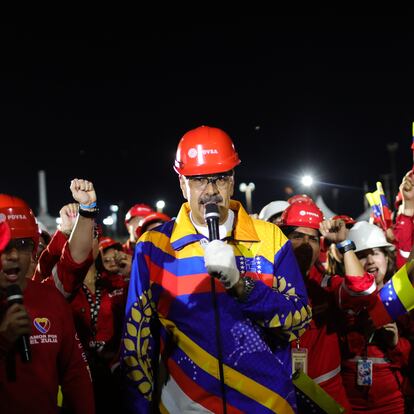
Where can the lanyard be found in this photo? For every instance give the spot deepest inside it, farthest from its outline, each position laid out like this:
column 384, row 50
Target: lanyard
column 94, row 305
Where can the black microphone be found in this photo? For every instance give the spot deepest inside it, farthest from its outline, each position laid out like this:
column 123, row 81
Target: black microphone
column 212, row 217
column 14, row 295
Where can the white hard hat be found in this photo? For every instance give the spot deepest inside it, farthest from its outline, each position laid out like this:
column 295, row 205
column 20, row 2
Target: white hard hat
column 273, row 208
column 367, row 236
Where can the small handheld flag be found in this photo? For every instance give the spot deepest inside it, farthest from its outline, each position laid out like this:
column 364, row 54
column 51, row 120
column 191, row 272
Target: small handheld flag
column 385, row 209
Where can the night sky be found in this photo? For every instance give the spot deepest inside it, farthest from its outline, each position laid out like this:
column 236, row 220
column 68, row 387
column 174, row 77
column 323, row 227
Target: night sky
column 296, row 94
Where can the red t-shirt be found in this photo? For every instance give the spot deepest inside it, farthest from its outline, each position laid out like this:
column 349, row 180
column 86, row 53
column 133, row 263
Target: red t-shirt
column 56, row 358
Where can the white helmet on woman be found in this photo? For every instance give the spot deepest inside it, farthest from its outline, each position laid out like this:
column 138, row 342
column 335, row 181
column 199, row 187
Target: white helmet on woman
column 367, row 236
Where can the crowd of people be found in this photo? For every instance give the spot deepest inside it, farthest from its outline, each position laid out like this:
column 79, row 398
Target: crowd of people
column 212, row 311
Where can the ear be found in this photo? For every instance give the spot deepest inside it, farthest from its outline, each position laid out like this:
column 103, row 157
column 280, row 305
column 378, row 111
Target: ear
column 183, row 186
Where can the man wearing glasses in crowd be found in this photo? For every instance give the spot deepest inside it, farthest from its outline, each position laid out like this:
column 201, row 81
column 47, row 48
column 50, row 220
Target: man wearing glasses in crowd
column 220, row 313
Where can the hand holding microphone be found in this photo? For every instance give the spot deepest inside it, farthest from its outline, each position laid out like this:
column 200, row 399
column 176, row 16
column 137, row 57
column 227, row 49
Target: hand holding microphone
column 218, row 256
column 16, row 324
column 220, row 261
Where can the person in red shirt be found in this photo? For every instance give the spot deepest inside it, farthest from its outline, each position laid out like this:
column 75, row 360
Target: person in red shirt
column 57, row 356
column 97, row 295
column 98, row 308
column 373, row 358
column 303, row 223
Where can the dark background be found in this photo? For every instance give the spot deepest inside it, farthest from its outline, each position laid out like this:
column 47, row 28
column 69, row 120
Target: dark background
column 109, row 101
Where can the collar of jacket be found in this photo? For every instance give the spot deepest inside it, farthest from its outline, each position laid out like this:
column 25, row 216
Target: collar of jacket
column 184, row 232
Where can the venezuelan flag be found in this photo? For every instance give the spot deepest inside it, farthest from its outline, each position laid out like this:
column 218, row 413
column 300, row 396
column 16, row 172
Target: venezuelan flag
column 386, row 211
column 375, row 203
column 396, row 298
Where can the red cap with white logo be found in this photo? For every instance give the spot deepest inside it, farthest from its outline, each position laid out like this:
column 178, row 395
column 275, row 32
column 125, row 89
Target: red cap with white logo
column 302, row 214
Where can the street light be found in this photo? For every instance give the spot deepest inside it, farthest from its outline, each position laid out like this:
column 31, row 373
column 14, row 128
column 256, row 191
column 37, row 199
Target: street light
column 160, row 204
column 307, row 180
column 308, row 183
column 248, row 188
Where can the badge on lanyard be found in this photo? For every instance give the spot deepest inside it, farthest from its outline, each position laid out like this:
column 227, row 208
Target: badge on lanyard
column 299, row 359
column 364, row 372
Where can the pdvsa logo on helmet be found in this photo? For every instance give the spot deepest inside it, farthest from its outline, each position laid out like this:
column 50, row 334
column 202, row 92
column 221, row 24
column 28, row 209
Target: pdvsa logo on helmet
column 193, row 152
column 16, row 217
column 308, row 213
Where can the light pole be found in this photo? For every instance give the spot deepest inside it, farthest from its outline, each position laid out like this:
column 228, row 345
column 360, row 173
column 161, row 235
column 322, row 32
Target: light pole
column 248, row 188
column 114, row 214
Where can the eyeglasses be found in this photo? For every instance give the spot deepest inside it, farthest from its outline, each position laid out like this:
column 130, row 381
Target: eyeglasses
column 21, row 245
column 297, row 235
column 201, row 182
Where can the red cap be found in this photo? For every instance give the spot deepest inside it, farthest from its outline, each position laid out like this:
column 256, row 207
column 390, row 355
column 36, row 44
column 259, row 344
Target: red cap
column 152, row 218
column 141, row 210
column 349, row 221
column 107, row 242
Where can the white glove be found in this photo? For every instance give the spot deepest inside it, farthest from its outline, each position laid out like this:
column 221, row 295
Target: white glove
column 220, row 261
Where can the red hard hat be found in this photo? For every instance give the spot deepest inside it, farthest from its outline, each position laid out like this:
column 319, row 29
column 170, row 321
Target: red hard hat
column 348, row 220
column 20, row 218
column 107, row 242
column 151, row 218
column 140, row 210
column 302, row 214
column 205, row 150
column 300, row 197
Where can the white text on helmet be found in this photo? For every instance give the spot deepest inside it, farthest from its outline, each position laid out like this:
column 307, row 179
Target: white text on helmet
column 309, row 213
column 192, row 152
column 16, row 217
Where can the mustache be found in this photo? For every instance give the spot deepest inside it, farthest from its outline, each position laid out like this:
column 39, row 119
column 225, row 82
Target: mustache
column 216, row 199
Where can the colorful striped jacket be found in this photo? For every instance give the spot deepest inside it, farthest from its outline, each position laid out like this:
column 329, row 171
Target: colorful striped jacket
column 169, row 284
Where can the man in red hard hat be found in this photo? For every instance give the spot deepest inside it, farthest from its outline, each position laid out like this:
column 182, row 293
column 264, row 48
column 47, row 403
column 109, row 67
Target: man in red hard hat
column 303, row 223
column 133, row 219
column 227, row 308
column 53, row 355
